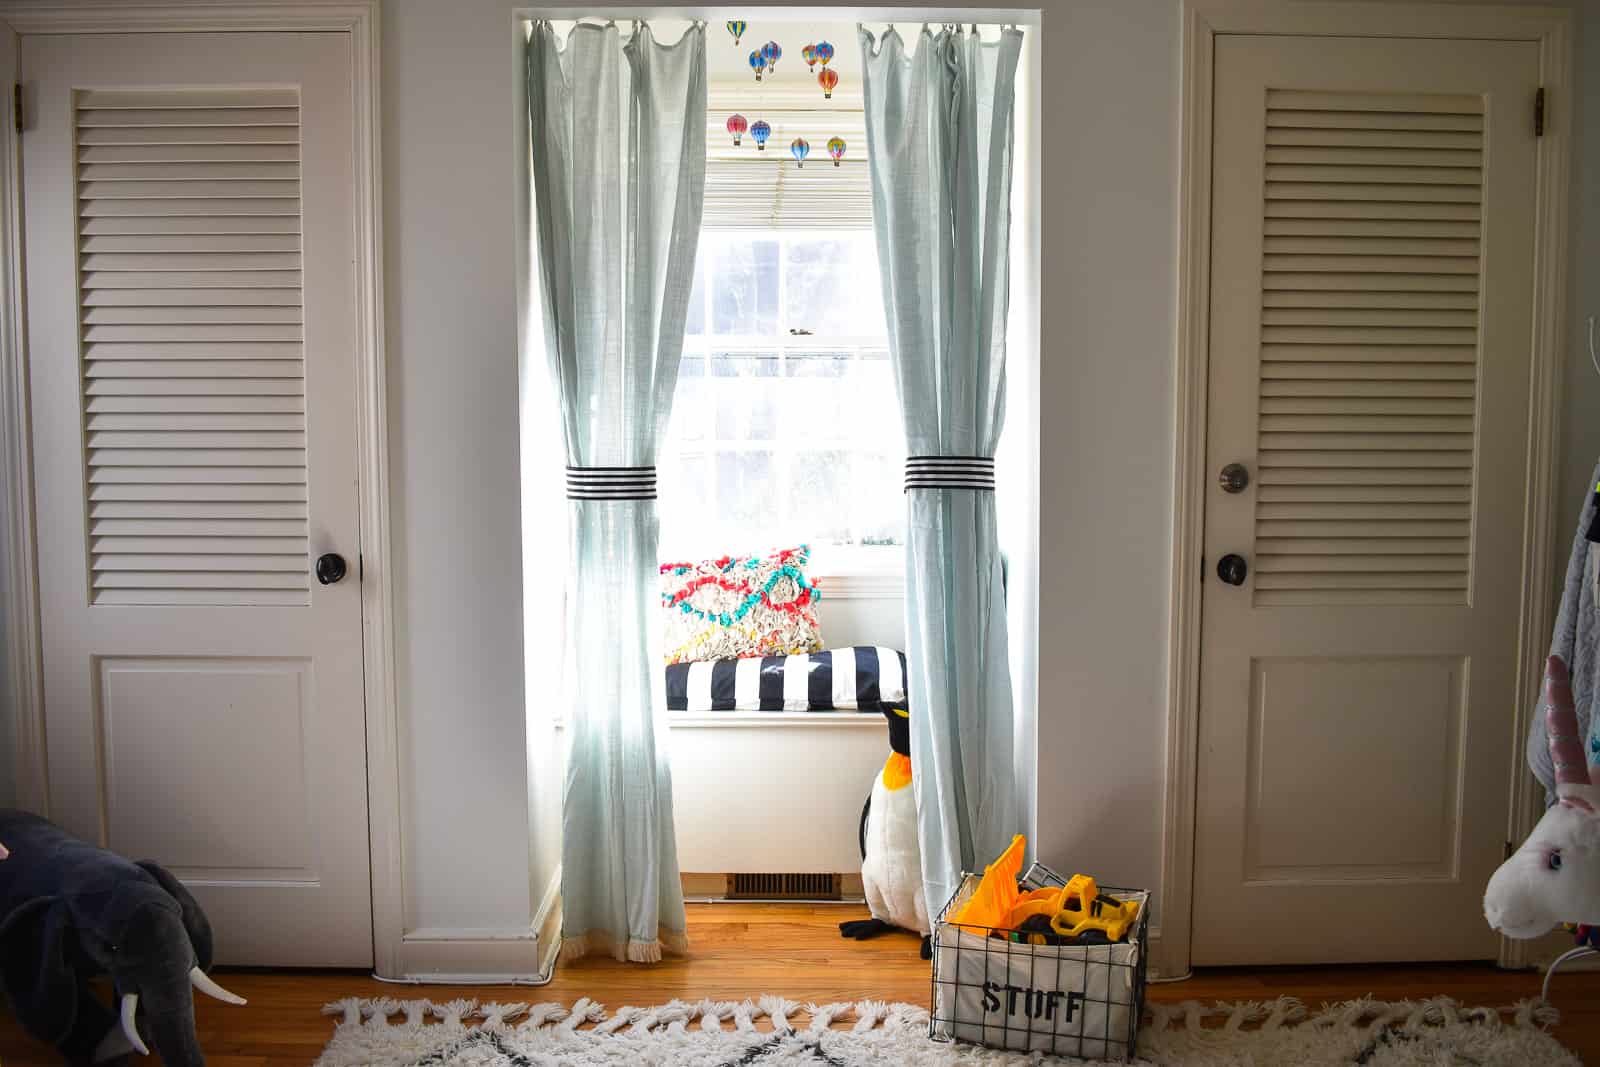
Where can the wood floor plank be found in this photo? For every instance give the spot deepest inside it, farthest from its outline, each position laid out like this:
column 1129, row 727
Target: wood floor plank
column 740, row 950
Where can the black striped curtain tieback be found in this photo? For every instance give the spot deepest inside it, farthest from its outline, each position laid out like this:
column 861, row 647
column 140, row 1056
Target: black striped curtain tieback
column 950, row 472
column 611, row 483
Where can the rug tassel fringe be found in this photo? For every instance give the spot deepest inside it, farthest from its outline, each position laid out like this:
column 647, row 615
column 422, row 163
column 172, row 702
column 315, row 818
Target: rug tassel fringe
column 822, row 1016
column 868, row 1014
column 388, row 1031
column 777, row 1009
column 1365, row 1013
column 712, row 1012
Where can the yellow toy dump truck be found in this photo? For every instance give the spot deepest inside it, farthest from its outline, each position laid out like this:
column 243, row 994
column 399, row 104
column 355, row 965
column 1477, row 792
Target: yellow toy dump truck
column 1050, row 915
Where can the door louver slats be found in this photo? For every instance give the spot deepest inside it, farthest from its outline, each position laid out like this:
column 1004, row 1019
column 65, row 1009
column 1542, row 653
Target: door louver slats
column 1369, row 348
column 190, row 324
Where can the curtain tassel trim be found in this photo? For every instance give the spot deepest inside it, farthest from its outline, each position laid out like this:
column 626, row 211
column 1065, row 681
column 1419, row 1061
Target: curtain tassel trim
column 630, row 950
column 950, row 472
column 611, row 483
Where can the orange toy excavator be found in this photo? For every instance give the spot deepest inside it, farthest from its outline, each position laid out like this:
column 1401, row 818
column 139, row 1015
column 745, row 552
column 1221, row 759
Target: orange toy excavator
column 998, row 906
column 989, row 907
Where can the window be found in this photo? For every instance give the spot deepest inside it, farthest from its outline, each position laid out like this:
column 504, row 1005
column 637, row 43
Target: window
column 785, row 427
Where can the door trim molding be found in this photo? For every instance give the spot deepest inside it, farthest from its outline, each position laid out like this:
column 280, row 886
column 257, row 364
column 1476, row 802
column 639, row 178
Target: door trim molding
column 1203, row 22
column 24, row 666
column 360, row 20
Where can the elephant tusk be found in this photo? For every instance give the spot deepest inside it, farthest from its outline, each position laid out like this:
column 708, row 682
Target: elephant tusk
column 130, row 1004
column 201, row 981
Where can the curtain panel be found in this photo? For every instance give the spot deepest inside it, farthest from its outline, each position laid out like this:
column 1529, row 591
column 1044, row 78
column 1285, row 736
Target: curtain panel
column 617, row 136
column 939, row 139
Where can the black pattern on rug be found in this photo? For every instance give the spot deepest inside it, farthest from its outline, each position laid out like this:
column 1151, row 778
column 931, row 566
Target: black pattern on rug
column 760, row 1052
column 751, row 1057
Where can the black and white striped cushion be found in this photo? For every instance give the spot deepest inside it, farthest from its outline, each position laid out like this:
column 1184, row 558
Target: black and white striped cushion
column 862, row 678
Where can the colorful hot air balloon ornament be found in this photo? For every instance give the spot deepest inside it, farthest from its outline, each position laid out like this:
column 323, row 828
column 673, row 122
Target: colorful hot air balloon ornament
column 760, row 131
column 828, row 78
column 736, row 27
column 736, row 126
column 809, row 54
column 836, row 149
column 799, row 149
column 824, row 52
column 757, row 64
column 771, row 53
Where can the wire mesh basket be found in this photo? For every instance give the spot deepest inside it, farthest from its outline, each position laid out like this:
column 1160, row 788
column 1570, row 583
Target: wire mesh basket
column 1067, row 1000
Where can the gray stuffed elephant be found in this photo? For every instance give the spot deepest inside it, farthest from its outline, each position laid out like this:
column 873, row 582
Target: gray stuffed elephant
column 69, row 912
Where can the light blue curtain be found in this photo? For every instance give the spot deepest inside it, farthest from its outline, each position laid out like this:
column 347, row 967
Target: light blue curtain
column 617, row 135
column 939, row 147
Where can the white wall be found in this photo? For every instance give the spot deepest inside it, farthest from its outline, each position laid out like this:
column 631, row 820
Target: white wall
column 448, row 198
column 1110, row 163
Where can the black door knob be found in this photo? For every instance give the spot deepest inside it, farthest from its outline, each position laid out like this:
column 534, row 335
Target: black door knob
column 1232, row 568
column 330, row 568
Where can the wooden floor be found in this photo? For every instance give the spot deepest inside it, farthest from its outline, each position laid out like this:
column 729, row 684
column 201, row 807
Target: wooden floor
column 740, row 950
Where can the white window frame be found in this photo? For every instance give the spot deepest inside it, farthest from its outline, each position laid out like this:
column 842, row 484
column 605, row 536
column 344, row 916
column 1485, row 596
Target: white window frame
column 852, row 570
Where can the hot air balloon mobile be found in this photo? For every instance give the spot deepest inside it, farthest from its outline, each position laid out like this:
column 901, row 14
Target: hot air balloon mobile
column 736, row 27
column 809, row 54
column 757, row 64
column 824, row 52
column 836, row 149
column 760, row 131
column 828, row 78
column 771, row 53
column 799, row 149
column 736, row 126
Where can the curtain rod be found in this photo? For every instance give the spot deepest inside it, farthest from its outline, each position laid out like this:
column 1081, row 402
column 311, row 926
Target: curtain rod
column 983, row 15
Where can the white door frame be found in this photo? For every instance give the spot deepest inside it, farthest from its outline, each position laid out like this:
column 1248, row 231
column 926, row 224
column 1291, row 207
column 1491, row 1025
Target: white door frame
column 1203, row 21
column 18, row 569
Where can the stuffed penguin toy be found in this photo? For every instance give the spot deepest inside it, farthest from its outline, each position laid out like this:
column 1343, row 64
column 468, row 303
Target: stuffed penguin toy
column 891, row 860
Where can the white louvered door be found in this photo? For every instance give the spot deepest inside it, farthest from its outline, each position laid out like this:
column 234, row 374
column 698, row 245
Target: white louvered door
column 1370, row 351
column 191, row 295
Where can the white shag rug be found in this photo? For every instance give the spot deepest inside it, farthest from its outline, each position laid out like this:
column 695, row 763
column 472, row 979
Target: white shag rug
column 466, row 1033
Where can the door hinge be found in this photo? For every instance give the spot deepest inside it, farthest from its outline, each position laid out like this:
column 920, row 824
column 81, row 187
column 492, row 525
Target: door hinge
column 1538, row 112
column 16, row 106
column 1202, row 568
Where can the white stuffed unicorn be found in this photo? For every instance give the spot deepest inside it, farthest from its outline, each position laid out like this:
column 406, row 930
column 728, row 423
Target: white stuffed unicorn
column 1554, row 877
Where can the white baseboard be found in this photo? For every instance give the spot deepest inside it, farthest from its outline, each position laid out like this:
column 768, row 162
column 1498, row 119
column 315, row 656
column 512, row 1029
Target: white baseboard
column 486, row 956
column 446, row 955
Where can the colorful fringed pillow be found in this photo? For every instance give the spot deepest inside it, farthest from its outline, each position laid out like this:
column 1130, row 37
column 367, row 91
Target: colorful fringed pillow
column 739, row 606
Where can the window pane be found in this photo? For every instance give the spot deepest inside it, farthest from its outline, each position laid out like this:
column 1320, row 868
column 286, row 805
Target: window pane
column 872, row 400
column 832, row 288
column 817, row 398
column 819, row 499
column 746, row 394
column 745, row 286
column 878, row 514
column 692, row 402
column 685, row 491
column 745, row 513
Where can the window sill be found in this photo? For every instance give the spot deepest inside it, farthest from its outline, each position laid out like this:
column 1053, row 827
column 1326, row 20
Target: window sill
column 856, row 572
column 880, row 585
column 704, row 720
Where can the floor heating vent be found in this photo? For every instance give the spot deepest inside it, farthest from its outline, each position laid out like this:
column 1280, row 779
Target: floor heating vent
column 765, row 886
